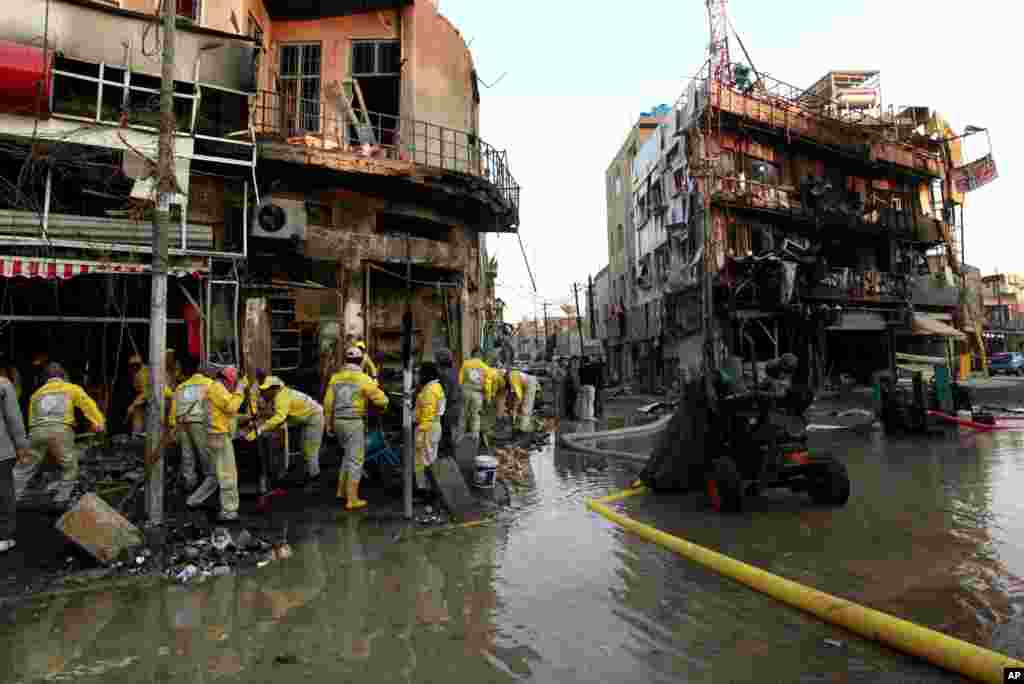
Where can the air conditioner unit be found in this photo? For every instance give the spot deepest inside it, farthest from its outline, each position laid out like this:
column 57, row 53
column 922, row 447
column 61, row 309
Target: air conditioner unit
column 280, row 219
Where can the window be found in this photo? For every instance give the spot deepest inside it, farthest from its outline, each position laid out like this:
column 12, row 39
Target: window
column 376, row 58
column 618, row 185
column 760, row 171
column 189, row 9
column 620, row 238
column 300, row 86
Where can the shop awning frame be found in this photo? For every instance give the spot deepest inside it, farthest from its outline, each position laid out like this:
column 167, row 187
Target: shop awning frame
column 65, row 269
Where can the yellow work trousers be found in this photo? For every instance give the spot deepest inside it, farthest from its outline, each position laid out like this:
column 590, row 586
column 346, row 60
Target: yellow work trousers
column 192, row 438
column 351, row 434
column 222, row 456
column 524, row 408
column 427, row 442
column 474, row 405
column 312, row 438
column 56, row 439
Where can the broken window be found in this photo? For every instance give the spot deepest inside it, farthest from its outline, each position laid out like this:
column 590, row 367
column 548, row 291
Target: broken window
column 300, row 86
column 376, row 58
column 222, row 112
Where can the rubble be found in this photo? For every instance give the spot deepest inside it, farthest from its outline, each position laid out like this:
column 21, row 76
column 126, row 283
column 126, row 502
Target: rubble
column 513, row 464
column 97, row 528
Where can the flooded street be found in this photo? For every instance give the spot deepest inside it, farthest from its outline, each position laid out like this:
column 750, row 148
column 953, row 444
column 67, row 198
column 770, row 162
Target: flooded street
column 550, row 592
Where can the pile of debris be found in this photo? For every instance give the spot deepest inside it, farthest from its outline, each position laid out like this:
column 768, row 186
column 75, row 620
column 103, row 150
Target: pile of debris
column 513, row 464
column 217, row 554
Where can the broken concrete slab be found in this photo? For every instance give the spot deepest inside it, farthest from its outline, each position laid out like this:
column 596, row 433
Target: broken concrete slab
column 100, row 530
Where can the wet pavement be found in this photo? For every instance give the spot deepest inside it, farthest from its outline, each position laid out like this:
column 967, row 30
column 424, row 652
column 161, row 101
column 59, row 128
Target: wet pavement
column 550, row 592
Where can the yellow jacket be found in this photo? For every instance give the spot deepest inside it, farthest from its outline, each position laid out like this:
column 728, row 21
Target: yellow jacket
column 369, row 367
column 290, row 403
column 224, row 406
column 515, row 378
column 195, row 408
column 430, row 405
column 477, row 376
column 348, row 391
column 55, row 402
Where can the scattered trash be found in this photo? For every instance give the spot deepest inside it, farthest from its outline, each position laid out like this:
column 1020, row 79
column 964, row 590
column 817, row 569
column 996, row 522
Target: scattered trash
column 139, row 560
column 187, row 574
column 191, row 552
column 834, row 643
column 263, row 564
column 220, row 539
column 163, row 651
column 244, row 540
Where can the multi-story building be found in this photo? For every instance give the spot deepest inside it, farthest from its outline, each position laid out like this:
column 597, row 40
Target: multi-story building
column 814, row 212
column 1003, row 299
column 600, row 307
column 622, row 245
column 328, row 161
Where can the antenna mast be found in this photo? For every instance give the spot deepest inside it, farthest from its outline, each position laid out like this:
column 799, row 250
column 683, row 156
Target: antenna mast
column 718, row 18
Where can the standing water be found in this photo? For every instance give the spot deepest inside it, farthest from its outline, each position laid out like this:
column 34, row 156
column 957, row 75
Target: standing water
column 553, row 593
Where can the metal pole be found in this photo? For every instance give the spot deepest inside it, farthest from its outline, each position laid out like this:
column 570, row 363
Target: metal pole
column 591, row 308
column 579, row 319
column 546, row 333
column 166, row 189
column 408, row 453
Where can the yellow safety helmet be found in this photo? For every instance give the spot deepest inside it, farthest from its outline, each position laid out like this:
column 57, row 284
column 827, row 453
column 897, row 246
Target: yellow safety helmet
column 271, row 382
column 361, row 345
column 354, row 354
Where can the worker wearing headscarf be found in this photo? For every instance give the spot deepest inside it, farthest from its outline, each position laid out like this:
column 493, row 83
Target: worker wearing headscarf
column 189, row 418
column 430, row 407
column 223, row 406
column 367, row 365
column 136, row 413
column 51, row 424
column 295, row 408
column 477, row 380
column 348, row 392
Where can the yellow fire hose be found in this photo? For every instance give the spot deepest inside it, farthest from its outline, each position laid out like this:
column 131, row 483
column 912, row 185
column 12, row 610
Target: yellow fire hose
column 952, row 654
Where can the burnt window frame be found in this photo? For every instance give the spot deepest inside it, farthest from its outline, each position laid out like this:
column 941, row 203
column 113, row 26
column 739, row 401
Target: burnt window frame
column 378, row 58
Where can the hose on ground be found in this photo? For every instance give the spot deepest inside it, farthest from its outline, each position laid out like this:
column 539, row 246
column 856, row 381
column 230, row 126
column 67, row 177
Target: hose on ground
column 947, row 652
column 575, row 440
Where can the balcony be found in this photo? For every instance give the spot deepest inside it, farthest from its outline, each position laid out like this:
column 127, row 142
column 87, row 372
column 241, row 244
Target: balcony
column 382, row 144
column 846, row 284
column 836, row 211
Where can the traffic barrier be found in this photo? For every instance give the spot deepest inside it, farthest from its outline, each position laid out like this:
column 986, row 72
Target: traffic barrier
column 947, row 652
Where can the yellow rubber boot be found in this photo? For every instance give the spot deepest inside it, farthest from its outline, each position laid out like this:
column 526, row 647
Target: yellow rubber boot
column 354, row 502
column 342, row 482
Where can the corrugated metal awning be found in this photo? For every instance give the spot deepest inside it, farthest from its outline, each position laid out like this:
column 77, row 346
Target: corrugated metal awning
column 64, row 269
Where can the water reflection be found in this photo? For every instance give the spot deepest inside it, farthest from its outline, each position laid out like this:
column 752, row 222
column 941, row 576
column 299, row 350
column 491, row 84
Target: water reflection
column 556, row 594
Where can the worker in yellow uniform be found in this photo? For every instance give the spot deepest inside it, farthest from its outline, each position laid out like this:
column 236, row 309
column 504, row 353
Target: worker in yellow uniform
column 295, row 408
column 367, row 365
column 223, row 406
column 522, row 393
column 51, row 420
column 348, row 392
column 430, row 406
column 477, row 380
column 189, row 419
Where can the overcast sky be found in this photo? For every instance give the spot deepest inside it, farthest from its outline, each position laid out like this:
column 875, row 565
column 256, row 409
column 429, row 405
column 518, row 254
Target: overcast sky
column 578, row 77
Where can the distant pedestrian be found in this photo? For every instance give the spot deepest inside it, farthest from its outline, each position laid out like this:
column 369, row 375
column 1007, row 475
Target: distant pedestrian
column 588, row 389
column 14, row 446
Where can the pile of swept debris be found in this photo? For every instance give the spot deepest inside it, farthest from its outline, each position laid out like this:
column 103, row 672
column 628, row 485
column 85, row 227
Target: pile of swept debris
column 513, row 464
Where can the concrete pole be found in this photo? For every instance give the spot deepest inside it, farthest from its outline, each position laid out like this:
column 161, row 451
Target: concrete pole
column 408, row 452
column 166, row 188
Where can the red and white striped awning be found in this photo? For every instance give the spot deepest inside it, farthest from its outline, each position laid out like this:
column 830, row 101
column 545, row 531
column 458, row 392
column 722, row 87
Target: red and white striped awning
column 63, row 269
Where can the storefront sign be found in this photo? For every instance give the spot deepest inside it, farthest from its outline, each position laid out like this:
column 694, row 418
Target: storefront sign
column 975, row 175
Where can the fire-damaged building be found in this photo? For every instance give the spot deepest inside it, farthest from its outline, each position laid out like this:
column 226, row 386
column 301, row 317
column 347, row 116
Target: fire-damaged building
column 329, row 165
column 827, row 225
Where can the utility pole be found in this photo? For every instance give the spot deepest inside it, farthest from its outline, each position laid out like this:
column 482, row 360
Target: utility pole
column 547, row 335
column 166, row 188
column 408, row 453
column 591, row 308
column 579, row 319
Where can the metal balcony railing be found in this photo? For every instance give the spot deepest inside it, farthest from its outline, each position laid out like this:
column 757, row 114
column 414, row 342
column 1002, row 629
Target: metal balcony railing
column 319, row 124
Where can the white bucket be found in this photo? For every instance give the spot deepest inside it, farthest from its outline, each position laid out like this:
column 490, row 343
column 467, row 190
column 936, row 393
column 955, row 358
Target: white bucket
column 486, row 470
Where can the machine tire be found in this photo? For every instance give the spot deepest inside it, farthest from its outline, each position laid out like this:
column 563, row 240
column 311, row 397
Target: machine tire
column 829, row 483
column 724, row 486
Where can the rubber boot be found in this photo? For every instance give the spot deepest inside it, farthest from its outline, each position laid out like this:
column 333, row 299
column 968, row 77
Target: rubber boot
column 342, row 484
column 354, row 502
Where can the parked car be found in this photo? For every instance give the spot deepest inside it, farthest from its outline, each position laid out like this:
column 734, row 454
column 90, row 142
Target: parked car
column 1007, row 363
